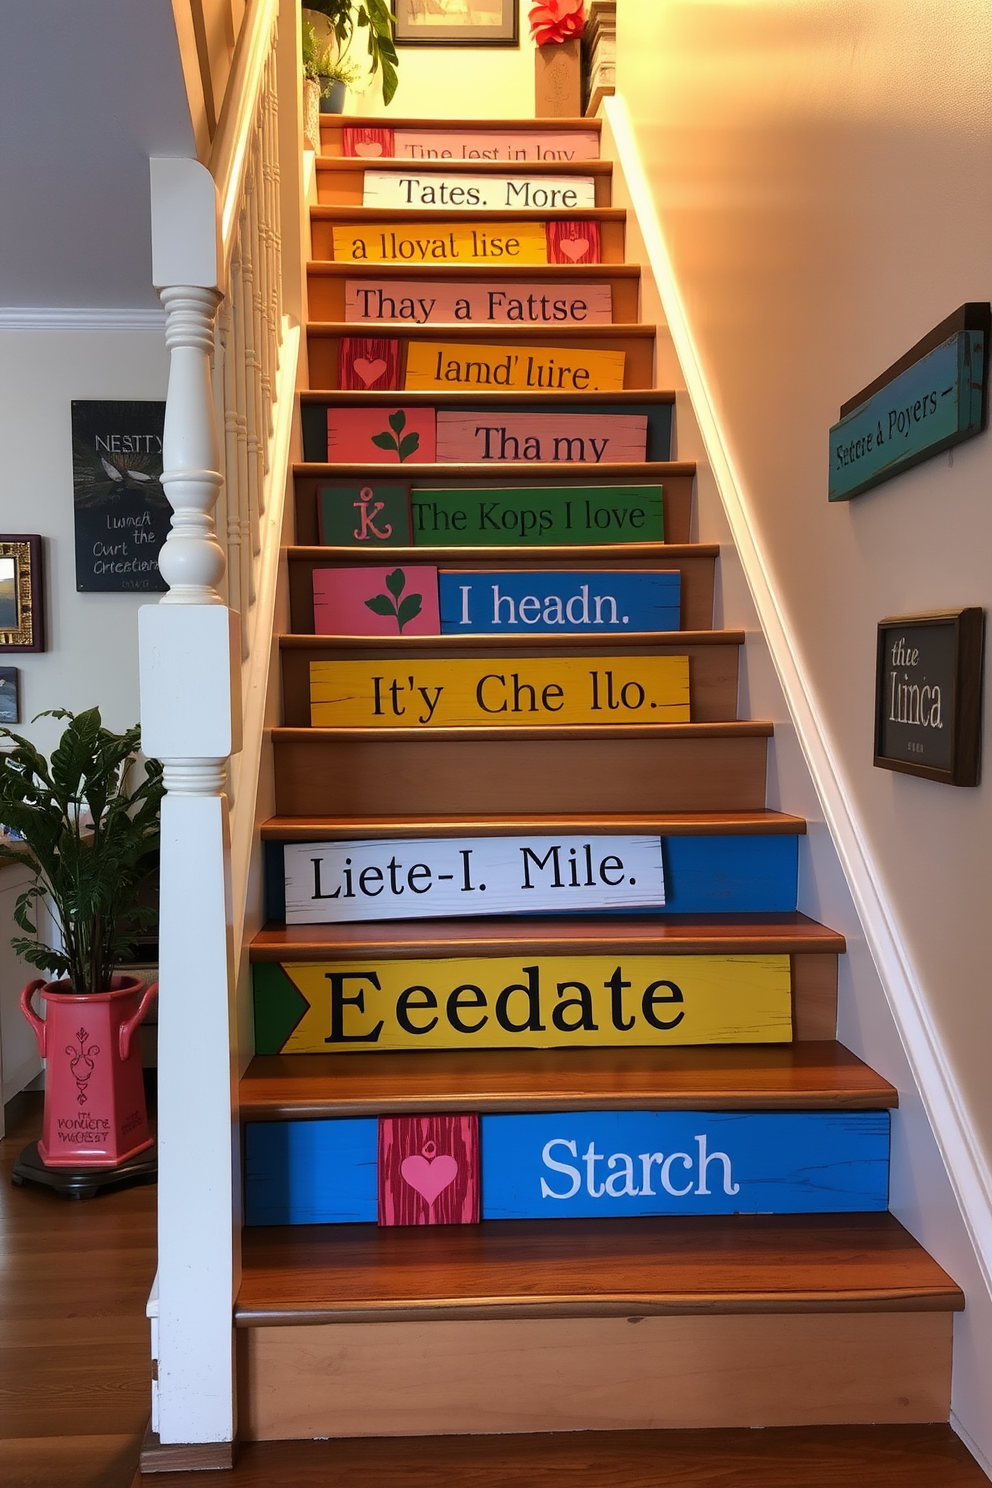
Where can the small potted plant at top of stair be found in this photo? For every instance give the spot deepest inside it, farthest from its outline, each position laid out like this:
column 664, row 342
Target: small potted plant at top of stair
column 345, row 19
column 91, row 841
column 557, row 27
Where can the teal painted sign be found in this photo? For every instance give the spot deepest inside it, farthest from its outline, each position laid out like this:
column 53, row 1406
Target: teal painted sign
column 932, row 398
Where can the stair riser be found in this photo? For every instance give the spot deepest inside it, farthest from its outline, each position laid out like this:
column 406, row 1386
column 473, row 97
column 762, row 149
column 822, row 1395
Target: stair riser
column 327, row 776
column 346, row 188
column 611, row 229
column 326, row 290
column 417, row 1379
column 712, row 672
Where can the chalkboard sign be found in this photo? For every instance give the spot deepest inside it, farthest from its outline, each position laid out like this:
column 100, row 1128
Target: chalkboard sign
column 122, row 515
column 928, row 695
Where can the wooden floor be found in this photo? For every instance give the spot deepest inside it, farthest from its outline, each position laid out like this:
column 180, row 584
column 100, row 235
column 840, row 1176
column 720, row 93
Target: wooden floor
column 74, row 1389
column 74, row 1360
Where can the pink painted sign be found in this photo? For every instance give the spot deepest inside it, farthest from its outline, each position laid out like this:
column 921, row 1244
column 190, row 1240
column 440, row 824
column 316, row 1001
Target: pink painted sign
column 505, row 301
column 400, row 600
column 551, row 437
column 572, row 242
column 496, row 144
column 381, row 436
column 429, row 1171
column 368, row 362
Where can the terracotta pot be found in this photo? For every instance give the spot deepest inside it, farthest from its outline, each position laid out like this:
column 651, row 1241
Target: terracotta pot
column 94, row 1095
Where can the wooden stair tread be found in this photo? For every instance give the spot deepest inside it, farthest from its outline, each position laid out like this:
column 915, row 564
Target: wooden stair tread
column 499, row 397
column 745, row 729
column 573, row 273
column 332, row 164
column 738, row 1457
column 463, row 331
column 677, row 823
column 658, row 553
column 588, row 1268
column 401, row 216
column 633, row 935
column 587, row 645
column 331, row 122
column 801, row 1076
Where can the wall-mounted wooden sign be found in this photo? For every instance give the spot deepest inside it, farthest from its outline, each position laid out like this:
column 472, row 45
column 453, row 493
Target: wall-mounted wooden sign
column 571, row 1165
column 746, row 874
column 447, row 365
column 928, row 695
column 400, row 189
column 373, row 142
column 376, row 601
column 548, row 603
column 418, row 436
column 122, row 515
column 429, row 1170
column 933, row 397
column 464, row 302
column 365, row 516
column 537, row 516
column 501, row 1002
column 436, row 243
column 503, row 691
column 332, row 883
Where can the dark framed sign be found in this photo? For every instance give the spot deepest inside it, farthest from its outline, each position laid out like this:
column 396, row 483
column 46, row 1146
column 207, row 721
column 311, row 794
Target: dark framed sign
column 930, row 399
column 928, row 695
column 122, row 514
column 456, row 22
column 10, row 708
column 22, row 599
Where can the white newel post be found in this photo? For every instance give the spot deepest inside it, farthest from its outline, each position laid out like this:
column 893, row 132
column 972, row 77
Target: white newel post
column 190, row 717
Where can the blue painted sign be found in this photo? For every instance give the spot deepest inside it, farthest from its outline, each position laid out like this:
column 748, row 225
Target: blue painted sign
column 578, row 1164
column 932, row 398
column 556, row 603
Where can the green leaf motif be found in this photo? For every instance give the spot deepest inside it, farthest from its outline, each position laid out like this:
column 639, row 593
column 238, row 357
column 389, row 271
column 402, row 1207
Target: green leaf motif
column 385, row 441
column 409, row 609
column 380, row 604
column 396, row 582
column 407, row 445
column 397, row 421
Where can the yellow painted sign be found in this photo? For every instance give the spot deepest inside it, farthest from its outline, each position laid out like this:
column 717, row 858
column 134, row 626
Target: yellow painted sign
column 474, row 692
column 438, row 364
column 497, row 243
column 530, row 1002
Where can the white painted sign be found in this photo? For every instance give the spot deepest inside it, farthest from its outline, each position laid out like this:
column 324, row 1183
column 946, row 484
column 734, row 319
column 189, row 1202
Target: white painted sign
column 335, row 882
column 395, row 189
column 464, row 302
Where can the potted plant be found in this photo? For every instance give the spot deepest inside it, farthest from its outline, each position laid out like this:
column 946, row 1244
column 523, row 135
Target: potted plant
column 328, row 74
column 90, row 838
column 346, row 18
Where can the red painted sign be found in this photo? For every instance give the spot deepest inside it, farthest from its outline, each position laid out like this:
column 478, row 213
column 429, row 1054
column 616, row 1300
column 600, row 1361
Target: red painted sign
column 429, row 1170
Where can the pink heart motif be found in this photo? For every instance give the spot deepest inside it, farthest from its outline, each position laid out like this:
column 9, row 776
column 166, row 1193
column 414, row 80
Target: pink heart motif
column 372, row 148
column 368, row 371
column 574, row 248
column 429, row 1178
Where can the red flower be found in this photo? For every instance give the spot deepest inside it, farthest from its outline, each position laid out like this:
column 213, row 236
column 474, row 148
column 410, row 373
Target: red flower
column 556, row 20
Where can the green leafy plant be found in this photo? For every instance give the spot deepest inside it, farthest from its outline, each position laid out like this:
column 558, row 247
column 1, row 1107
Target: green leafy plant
column 348, row 17
column 404, row 610
column 322, row 66
column 404, row 444
column 90, row 841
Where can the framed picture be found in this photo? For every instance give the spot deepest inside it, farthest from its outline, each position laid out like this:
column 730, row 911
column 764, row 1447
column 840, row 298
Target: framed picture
column 928, row 695
column 456, row 22
column 22, row 601
column 10, row 711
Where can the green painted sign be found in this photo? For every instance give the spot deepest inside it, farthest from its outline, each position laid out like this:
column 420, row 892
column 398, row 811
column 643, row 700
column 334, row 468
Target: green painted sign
column 373, row 515
column 541, row 516
column 932, row 398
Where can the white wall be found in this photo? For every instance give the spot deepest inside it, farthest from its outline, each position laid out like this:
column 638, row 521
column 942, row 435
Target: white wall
column 92, row 638
column 458, row 83
column 820, row 171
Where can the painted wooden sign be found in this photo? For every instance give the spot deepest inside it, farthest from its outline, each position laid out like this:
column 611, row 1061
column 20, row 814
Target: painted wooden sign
column 508, row 691
column 928, row 695
column 373, row 142
column 383, row 435
column 542, row 1002
column 464, row 302
column 376, row 601
column 331, row 883
column 369, row 362
column 588, row 1164
column 558, row 602
column 441, row 243
column 933, row 397
column 746, row 874
column 365, row 516
column 554, row 437
column 121, row 513
column 429, row 1170
column 537, row 516
column 447, row 365
column 400, row 189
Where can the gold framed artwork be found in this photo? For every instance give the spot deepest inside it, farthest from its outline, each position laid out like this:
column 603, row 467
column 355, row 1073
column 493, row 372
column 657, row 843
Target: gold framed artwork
column 22, row 608
column 456, row 23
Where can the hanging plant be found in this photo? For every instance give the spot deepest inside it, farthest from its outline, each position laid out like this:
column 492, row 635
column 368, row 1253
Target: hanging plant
column 555, row 21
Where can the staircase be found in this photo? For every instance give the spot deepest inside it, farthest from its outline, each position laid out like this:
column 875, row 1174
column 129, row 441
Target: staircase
column 665, row 1073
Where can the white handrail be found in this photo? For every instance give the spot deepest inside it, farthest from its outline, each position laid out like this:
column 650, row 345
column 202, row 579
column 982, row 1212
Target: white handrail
column 235, row 128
